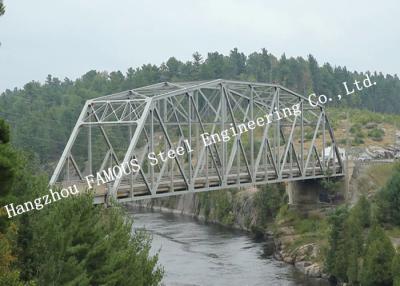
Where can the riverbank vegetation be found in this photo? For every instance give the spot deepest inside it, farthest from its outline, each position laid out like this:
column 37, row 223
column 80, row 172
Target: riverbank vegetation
column 350, row 244
column 70, row 242
column 356, row 245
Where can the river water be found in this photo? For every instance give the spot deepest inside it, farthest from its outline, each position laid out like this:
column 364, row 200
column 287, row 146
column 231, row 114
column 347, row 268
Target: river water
column 194, row 253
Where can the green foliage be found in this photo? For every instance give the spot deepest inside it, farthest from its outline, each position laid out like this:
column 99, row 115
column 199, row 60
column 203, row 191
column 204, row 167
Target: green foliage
column 76, row 243
column 8, row 168
column 332, row 185
column 2, row 9
column 268, row 201
column 362, row 212
column 388, row 200
column 70, row 242
column 345, row 255
column 396, row 270
column 8, row 275
column 376, row 134
column 308, row 136
column 223, row 207
column 355, row 128
column 310, row 225
column 4, row 132
column 353, row 243
column 357, row 141
column 218, row 206
column 377, row 266
column 356, row 131
column 10, row 164
column 336, row 259
column 43, row 115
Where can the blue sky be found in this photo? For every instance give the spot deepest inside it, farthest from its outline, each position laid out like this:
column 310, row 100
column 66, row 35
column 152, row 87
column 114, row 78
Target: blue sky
column 69, row 38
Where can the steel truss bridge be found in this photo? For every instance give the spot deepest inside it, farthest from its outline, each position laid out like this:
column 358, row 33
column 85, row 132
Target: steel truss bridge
column 114, row 129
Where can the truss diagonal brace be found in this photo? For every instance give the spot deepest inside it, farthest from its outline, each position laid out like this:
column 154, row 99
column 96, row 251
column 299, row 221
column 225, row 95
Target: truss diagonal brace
column 68, row 147
column 132, row 144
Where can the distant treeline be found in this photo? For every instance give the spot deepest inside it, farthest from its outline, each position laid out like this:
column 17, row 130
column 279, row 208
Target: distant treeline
column 42, row 115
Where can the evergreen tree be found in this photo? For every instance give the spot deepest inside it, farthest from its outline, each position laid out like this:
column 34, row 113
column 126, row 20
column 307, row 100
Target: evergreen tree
column 389, row 200
column 315, row 75
column 9, row 163
column 354, row 246
column 362, row 210
column 76, row 243
column 377, row 266
column 396, row 270
column 336, row 258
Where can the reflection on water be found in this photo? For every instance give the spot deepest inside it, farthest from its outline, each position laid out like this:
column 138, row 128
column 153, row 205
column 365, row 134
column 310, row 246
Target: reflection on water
column 194, row 253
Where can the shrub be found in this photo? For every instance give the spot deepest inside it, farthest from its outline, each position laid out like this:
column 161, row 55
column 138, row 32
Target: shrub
column 355, row 128
column 376, row 134
column 268, row 200
column 357, row 141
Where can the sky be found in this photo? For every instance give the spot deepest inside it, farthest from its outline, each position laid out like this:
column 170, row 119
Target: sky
column 67, row 38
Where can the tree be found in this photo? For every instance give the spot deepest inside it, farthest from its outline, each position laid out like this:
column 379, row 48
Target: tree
column 362, row 210
column 336, row 258
column 377, row 266
column 354, row 246
column 315, row 74
column 9, row 163
column 237, row 63
column 388, row 200
column 268, row 201
column 396, row 270
column 2, row 8
column 76, row 243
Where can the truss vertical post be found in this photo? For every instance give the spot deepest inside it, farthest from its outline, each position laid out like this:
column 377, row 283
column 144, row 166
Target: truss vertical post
column 90, row 147
column 252, row 136
column 189, row 154
column 302, row 136
column 278, row 136
column 129, row 140
column 152, row 148
column 223, row 144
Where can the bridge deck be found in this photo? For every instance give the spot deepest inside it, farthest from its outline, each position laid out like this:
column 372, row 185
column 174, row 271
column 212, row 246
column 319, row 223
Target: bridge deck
column 175, row 184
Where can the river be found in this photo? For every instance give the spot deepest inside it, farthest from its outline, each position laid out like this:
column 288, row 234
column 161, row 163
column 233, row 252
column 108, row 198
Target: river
column 194, row 253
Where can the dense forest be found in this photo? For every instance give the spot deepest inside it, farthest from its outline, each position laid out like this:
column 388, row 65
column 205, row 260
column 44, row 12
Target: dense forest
column 43, row 115
column 71, row 242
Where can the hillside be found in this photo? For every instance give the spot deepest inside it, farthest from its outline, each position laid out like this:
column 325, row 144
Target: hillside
column 43, row 115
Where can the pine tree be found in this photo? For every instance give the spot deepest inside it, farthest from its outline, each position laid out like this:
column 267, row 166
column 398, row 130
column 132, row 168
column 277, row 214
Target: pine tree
column 76, row 243
column 2, row 8
column 377, row 266
column 336, row 259
column 363, row 212
column 389, row 200
column 354, row 246
column 396, row 270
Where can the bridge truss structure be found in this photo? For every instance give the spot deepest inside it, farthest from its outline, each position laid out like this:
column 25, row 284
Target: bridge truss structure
column 114, row 129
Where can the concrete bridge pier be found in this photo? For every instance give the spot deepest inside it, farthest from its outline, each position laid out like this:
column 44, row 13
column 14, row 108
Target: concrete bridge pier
column 303, row 195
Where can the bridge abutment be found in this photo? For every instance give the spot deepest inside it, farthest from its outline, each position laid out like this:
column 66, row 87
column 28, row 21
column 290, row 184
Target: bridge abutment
column 303, row 195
